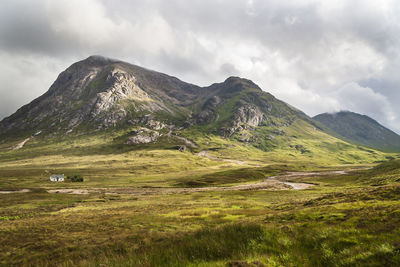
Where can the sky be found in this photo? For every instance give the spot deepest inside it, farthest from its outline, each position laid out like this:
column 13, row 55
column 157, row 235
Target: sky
column 318, row 56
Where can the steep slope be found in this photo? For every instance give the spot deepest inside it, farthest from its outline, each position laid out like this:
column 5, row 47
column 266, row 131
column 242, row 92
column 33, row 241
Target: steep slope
column 360, row 129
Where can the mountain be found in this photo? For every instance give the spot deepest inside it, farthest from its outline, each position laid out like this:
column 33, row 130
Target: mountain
column 360, row 129
column 101, row 93
column 123, row 107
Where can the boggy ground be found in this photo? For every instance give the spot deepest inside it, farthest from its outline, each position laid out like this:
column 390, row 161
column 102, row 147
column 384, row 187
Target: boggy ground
column 343, row 220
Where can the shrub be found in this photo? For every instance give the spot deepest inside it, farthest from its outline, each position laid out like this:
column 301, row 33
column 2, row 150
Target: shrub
column 75, row 178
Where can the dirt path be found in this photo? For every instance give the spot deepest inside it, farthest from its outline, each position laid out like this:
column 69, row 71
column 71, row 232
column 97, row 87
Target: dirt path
column 278, row 182
column 288, row 178
column 298, row 186
column 16, row 191
column 69, row 191
column 21, row 144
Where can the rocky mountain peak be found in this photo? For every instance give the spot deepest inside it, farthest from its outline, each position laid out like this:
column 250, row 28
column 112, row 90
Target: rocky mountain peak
column 243, row 83
column 98, row 60
column 100, row 93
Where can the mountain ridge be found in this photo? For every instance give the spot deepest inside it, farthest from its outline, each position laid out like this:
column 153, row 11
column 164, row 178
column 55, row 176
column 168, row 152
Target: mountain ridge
column 107, row 91
column 360, row 129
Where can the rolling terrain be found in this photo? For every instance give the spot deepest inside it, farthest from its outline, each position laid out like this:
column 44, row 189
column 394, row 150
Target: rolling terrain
column 181, row 175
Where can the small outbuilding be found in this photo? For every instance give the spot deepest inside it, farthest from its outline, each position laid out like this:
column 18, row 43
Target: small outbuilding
column 57, row 178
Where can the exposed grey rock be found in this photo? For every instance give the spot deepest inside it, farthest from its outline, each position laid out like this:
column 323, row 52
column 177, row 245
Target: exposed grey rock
column 246, row 117
column 155, row 125
column 37, row 133
column 182, row 148
column 208, row 112
column 142, row 136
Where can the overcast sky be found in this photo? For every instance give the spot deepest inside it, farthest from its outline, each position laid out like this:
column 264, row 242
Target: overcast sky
column 319, row 56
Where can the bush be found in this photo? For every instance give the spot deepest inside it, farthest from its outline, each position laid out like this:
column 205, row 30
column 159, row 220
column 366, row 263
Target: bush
column 75, row 178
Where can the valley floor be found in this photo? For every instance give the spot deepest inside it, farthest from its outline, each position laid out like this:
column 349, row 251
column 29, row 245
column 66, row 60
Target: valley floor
column 234, row 205
column 346, row 219
column 278, row 182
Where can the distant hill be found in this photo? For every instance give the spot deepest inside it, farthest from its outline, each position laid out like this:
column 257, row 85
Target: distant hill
column 360, row 129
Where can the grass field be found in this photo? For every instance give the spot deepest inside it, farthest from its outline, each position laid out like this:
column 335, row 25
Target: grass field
column 343, row 220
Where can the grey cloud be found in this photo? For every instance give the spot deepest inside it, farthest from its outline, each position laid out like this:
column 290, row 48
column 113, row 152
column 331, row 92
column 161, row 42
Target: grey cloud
column 228, row 69
column 364, row 100
column 315, row 55
column 26, row 28
column 23, row 78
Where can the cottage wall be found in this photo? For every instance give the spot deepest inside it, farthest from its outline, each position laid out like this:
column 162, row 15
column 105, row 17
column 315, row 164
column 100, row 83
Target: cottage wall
column 57, row 178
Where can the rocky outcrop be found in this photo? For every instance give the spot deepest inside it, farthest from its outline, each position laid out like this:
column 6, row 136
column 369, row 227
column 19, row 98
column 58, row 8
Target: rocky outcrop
column 142, row 136
column 245, row 118
column 208, row 111
column 150, row 121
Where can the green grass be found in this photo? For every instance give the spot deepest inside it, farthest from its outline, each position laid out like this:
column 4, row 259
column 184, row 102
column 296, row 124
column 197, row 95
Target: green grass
column 348, row 220
column 339, row 222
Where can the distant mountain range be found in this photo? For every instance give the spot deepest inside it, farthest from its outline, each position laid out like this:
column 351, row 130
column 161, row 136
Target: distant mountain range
column 102, row 94
column 360, row 129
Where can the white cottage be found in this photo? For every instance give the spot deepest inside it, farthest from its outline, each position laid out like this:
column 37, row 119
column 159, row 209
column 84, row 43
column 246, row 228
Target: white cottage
column 57, row 178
